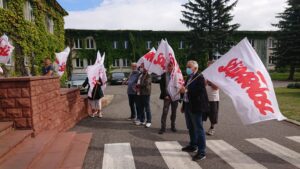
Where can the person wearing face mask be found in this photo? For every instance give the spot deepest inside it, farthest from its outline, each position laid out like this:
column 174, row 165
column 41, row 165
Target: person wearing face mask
column 195, row 106
column 143, row 89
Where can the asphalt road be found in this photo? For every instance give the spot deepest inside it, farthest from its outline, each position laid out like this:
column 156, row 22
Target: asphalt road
column 114, row 128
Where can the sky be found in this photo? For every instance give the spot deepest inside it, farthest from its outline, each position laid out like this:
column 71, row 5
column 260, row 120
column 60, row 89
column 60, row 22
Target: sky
column 160, row 14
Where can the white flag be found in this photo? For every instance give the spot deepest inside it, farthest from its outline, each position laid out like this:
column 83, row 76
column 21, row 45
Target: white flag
column 61, row 60
column 159, row 62
column 102, row 71
column 93, row 75
column 1, row 70
column 241, row 75
column 6, row 49
column 98, row 59
column 146, row 59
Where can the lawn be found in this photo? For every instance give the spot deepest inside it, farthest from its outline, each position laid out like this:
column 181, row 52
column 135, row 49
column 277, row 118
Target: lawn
column 284, row 76
column 289, row 102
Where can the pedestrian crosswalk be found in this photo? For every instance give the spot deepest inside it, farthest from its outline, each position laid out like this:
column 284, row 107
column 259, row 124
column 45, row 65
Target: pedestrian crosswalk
column 120, row 156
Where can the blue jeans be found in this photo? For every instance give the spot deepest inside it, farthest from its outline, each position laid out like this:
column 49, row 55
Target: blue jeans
column 194, row 124
column 132, row 104
column 144, row 107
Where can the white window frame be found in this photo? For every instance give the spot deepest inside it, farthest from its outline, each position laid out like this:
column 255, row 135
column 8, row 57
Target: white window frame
column 1, row 4
column 49, row 24
column 116, row 63
column 271, row 43
column 115, row 44
column 89, row 41
column 80, row 63
column 89, row 62
column 148, row 44
column 28, row 11
column 181, row 43
column 125, row 62
column 77, row 44
column 126, row 44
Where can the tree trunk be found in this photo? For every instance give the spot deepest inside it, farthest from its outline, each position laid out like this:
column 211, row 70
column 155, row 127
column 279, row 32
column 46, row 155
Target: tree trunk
column 292, row 72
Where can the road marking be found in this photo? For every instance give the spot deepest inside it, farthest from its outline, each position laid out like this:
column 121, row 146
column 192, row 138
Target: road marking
column 294, row 138
column 232, row 156
column 174, row 157
column 277, row 150
column 118, row 156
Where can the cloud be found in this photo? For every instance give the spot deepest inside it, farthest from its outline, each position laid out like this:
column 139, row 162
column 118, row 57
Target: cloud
column 165, row 15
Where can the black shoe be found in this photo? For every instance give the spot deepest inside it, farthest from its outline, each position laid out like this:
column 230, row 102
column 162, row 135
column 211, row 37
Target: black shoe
column 189, row 148
column 161, row 131
column 199, row 157
column 174, row 129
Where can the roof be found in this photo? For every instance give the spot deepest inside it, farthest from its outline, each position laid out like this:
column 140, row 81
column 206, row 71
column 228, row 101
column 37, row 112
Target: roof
column 58, row 7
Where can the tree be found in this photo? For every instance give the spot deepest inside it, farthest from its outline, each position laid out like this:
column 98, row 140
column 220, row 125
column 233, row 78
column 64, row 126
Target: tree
column 209, row 21
column 287, row 51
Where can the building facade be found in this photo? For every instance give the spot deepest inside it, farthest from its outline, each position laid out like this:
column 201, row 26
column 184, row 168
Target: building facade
column 125, row 46
column 36, row 30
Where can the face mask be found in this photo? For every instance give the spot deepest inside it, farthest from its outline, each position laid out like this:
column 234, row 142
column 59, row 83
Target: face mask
column 142, row 69
column 189, row 71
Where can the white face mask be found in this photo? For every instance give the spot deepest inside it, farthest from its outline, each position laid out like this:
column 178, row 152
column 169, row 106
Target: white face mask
column 142, row 69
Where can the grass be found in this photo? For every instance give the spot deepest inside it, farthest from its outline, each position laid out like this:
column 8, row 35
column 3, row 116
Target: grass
column 284, row 76
column 289, row 102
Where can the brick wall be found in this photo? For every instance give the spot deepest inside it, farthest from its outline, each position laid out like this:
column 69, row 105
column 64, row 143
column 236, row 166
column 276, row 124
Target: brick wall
column 40, row 104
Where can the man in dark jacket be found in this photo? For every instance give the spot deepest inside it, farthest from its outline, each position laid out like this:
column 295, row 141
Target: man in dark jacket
column 143, row 89
column 195, row 106
column 164, row 82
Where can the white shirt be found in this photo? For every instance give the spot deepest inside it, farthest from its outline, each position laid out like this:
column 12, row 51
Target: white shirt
column 213, row 95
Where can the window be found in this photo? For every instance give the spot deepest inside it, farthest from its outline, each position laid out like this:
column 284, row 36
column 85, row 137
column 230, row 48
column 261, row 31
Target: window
column 125, row 62
column 90, row 62
column 115, row 45
column 90, row 43
column 181, row 45
column 26, row 60
column 272, row 43
column 78, row 44
column 49, row 24
column 251, row 42
column 79, row 63
column 126, row 44
column 28, row 11
column 148, row 44
column 116, row 63
column 3, row 4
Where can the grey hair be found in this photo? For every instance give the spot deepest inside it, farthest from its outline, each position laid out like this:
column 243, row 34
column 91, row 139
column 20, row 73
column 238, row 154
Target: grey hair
column 194, row 63
column 133, row 63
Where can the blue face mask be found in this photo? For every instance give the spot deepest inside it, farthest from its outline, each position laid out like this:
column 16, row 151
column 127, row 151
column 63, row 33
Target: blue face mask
column 189, row 71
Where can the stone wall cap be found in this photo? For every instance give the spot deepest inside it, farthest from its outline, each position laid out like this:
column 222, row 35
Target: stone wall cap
column 26, row 78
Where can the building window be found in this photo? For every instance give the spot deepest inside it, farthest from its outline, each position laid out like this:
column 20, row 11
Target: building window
column 3, row 4
column 116, row 63
column 90, row 43
column 79, row 63
column 126, row 44
column 272, row 43
column 251, row 42
column 78, row 44
column 28, row 11
column 89, row 61
column 125, row 62
column 115, row 45
column 148, row 45
column 49, row 24
column 181, row 45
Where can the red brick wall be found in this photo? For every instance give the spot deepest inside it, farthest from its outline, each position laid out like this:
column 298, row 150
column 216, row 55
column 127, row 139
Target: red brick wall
column 38, row 103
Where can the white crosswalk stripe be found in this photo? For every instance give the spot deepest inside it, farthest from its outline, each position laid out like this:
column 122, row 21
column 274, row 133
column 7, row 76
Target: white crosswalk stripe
column 294, row 138
column 174, row 157
column 277, row 150
column 232, row 156
column 118, row 156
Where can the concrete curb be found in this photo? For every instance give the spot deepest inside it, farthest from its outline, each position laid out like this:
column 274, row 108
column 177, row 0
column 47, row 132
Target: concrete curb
column 293, row 121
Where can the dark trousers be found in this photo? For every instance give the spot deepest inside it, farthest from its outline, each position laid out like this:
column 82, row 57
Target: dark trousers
column 144, row 107
column 132, row 104
column 167, row 104
column 194, row 124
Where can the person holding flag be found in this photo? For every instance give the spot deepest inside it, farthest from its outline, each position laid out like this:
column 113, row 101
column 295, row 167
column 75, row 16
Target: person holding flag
column 165, row 96
column 195, row 106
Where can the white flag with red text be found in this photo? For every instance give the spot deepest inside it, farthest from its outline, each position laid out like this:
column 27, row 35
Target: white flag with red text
column 102, row 71
column 159, row 61
column 93, row 75
column 6, row 49
column 61, row 60
column 146, row 59
column 241, row 75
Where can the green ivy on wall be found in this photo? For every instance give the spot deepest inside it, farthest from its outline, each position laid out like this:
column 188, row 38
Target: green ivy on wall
column 31, row 38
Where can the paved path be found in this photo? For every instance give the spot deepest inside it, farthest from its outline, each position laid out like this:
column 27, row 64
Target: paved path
column 118, row 144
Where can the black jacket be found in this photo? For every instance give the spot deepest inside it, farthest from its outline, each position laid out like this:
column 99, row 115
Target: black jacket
column 97, row 92
column 162, row 84
column 197, row 95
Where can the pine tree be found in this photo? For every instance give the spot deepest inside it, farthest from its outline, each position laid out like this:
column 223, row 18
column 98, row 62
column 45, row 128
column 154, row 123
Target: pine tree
column 287, row 51
column 209, row 21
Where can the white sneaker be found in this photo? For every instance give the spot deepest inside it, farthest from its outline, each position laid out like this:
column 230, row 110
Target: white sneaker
column 148, row 125
column 144, row 123
column 93, row 115
column 138, row 123
column 100, row 114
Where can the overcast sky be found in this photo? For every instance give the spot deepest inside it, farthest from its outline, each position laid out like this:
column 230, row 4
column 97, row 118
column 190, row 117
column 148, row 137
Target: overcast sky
column 160, row 14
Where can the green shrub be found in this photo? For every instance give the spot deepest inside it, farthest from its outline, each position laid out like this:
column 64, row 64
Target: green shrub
column 293, row 86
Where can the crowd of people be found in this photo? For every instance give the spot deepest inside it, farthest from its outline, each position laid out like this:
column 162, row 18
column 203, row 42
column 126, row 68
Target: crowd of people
column 199, row 98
